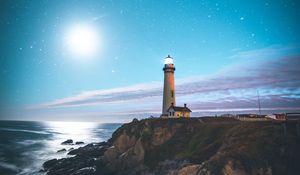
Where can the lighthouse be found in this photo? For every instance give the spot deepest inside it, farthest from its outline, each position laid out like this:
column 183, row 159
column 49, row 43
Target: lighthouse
column 169, row 108
column 169, row 85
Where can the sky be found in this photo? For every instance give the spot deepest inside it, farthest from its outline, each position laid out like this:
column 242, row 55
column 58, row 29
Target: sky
column 225, row 53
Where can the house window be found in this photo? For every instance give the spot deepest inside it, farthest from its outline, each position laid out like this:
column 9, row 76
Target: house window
column 173, row 113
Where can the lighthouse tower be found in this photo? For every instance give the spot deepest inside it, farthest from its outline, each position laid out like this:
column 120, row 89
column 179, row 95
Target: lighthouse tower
column 169, row 87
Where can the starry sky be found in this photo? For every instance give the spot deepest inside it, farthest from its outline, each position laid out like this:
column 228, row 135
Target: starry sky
column 225, row 52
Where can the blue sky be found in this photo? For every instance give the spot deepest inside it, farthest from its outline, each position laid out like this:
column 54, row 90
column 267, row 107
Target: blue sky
column 224, row 51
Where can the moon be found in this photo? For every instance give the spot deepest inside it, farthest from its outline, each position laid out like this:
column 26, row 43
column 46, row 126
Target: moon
column 82, row 41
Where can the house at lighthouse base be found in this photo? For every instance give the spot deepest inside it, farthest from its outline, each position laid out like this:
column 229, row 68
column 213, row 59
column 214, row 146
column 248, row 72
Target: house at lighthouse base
column 178, row 111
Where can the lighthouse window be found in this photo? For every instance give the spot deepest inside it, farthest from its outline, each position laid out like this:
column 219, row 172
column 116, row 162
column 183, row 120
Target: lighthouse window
column 172, row 94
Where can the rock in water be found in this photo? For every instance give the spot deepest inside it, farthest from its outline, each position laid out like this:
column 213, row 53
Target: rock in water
column 50, row 163
column 67, row 142
column 62, row 150
column 79, row 143
column 91, row 150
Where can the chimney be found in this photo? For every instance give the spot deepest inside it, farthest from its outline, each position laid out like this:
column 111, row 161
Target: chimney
column 185, row 105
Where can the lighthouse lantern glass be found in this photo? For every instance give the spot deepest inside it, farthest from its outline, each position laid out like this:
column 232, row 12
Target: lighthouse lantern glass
column 169, row 60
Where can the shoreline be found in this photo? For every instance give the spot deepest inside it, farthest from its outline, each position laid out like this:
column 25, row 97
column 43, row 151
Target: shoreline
column 161, row 146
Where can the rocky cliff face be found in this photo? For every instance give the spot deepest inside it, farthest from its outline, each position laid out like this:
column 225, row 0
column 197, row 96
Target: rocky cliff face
column 189, row 146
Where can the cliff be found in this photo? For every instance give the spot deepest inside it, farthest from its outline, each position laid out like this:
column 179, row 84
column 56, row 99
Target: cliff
column 188, row 146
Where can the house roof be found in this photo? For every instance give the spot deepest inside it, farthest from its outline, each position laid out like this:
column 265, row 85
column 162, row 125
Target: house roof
column 179, row 108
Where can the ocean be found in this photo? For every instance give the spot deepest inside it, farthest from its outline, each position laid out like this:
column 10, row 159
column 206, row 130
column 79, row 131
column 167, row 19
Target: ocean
column 26, row 145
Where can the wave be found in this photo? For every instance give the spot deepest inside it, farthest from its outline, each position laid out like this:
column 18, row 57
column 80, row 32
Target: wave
column 24, row 130
column 30, row 142
column 8, row 166
column 29, row 171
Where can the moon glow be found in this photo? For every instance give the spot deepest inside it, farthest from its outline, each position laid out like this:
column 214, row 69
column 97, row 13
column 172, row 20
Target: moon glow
column 82, row 41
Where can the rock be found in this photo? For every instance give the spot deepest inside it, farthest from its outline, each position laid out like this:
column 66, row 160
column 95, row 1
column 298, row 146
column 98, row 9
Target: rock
column 70, row 166
column 110, row 154
column 71, row 149
column 67, row 142
column 85, row 171
column 161, row 135
column 189, row 170
column 170, row 167
column 79, row 143
column 61, row 150
column 139, row 151
column 49, row 163
column 230, row 168
column 92, row 150
column 126, row 153
column 124, row 142
column 42, row 171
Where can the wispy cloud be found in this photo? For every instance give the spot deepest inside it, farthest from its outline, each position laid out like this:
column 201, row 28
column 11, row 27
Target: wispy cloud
column 116, row 95
column 96, row 18
column 273, row 70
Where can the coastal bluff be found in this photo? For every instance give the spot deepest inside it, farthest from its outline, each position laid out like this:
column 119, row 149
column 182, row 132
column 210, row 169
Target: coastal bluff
column 188, row 146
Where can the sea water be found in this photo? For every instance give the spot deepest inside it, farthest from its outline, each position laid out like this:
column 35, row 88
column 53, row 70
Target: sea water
column 24, row 145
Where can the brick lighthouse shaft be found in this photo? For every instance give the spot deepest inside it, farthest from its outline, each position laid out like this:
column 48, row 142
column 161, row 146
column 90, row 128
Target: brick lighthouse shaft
column 169, row 85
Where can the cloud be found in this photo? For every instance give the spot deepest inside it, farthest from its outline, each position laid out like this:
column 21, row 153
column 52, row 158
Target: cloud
column 96, row 18
column 115, row 95
column 274, row 71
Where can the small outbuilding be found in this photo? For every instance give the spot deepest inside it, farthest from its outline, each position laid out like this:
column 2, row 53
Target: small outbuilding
column 178, row 111
column 277, row 116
